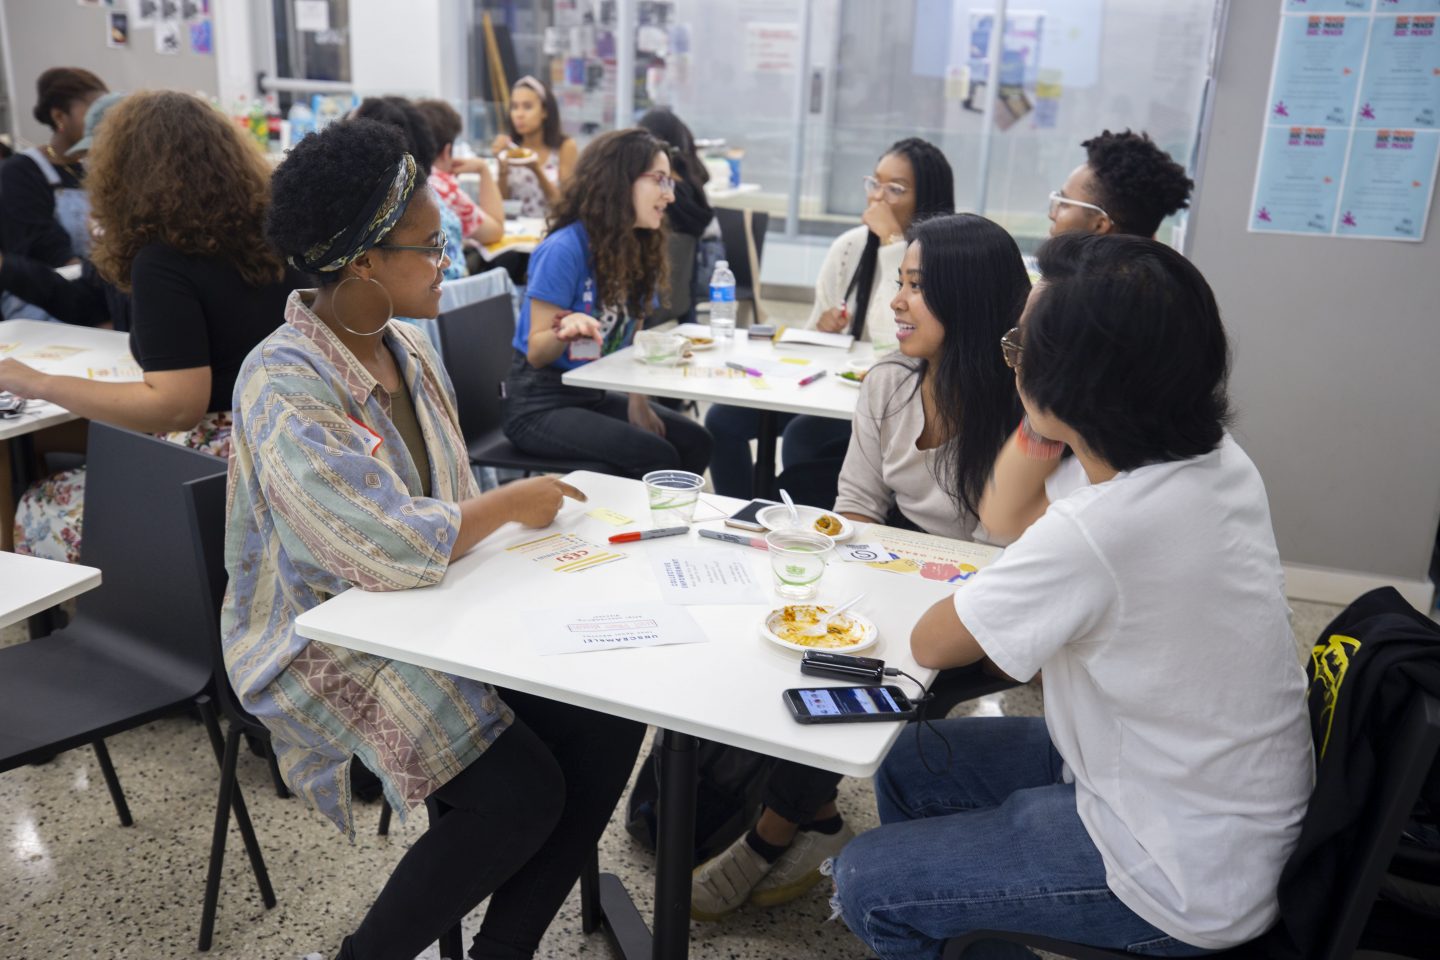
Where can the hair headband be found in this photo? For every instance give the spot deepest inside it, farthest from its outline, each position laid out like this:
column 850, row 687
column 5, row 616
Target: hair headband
column 382, row 210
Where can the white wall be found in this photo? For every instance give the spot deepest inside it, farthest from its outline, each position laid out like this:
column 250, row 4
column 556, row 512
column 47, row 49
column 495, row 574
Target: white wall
column 1336, row 377
column 40, row 34
column 396, row 48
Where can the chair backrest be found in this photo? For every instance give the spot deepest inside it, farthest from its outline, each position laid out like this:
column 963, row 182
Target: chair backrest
column 737, row 246
column 681, row 254
column 205, row 506
column 478, row 353
column 136, row 530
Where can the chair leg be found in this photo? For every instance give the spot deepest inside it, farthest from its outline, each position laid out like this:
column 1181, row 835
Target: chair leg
column 237, row 797
column 222, row 824
column 281, row 791
column 117, row 796
column 384, row 828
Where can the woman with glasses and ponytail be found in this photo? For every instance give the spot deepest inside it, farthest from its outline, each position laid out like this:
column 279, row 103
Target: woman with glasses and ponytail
column 911, row 182
column 349, row 470
column 592, row 280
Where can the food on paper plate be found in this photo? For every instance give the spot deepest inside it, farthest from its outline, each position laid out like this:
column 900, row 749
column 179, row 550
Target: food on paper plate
column 518, row 154
column 792, row 624
column 828, row 524
column 853, row 376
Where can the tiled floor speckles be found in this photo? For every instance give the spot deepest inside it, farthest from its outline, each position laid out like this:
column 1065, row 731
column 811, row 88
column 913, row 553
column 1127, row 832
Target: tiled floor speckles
column 74, row 883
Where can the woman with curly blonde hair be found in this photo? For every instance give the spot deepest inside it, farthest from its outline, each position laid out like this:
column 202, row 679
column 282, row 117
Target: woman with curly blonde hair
column 179, row 199
column 592, row 279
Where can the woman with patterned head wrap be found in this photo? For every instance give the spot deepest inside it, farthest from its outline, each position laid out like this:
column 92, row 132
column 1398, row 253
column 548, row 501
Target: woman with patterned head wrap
column 350, row 470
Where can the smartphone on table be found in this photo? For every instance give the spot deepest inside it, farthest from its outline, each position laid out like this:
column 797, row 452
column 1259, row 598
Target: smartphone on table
column 849, row 704
column 747, row 517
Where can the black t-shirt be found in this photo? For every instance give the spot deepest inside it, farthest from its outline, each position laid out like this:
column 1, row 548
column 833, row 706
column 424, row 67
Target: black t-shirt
column 192, row 311
column 27, row 212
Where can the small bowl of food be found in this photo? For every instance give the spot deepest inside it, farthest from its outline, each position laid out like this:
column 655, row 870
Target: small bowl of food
column 828, row 522
column 796, row 627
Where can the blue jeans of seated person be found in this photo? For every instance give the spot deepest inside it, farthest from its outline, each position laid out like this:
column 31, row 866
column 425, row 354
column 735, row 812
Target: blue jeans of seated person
column 993, row 842
column 805, row 439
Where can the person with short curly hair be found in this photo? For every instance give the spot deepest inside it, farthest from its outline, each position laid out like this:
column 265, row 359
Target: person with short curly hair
column 350, row 470
column 591, row 281
column 43, row 211
column 1127, row 184
column 204, row 289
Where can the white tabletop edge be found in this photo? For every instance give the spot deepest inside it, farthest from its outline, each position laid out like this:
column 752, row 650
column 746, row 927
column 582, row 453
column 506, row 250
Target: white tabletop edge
column 629, row 712
column 88, row 582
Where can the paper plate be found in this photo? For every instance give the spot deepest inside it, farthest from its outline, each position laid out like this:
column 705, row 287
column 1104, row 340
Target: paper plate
column 857, row 384
column 700, row 347
column 778, row 518
column 866, row 630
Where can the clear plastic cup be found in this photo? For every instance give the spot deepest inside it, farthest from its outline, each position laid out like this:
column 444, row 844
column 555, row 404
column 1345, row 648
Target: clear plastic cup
column 673, row 494
column 798, row 558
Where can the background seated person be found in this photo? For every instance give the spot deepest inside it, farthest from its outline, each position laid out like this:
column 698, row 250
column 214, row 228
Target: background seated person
column 204, row 288
column 591, row 280
column 1153, row 807
column 350, row 471
column 911, row 182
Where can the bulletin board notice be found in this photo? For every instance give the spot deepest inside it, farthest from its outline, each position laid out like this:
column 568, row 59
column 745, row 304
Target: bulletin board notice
column 1352, row 122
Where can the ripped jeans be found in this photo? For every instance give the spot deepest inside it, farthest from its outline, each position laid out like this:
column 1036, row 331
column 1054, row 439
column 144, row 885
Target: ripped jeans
column 994, row 842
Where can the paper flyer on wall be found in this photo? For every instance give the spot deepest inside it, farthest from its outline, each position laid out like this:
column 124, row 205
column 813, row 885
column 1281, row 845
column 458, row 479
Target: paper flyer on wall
column 1352, row 120
column 584, row 629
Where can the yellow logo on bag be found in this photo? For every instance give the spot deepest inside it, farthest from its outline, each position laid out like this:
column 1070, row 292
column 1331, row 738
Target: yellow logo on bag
column 1329, row 662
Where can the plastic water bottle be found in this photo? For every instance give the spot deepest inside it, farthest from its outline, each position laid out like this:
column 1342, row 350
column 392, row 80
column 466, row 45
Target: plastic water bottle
column 722, row 302
column 302, row 121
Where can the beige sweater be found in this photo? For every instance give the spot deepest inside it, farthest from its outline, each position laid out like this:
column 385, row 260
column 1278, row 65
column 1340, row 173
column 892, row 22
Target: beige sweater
column 883, row 467
column 840, row 265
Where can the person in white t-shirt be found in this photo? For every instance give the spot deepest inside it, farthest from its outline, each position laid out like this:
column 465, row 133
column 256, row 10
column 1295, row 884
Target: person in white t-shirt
column 1153, row 807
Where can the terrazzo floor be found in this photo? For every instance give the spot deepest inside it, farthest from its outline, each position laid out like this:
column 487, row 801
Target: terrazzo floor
column 73, row 883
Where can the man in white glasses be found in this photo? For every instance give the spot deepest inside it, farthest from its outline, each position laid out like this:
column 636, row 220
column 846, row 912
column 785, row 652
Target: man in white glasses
column 1127, row 184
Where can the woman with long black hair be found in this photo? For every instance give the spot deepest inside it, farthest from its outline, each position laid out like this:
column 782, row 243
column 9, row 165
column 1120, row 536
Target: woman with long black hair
column 932, row 419
column 911, row 182
column 929, row 423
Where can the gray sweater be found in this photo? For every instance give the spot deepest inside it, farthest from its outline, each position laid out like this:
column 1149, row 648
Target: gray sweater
column 883, row 467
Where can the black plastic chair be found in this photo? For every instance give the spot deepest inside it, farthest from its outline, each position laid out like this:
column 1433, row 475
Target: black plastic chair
column 1408, row 762
column 737, row 248
column 133, row 653
column 476, row 342
column 205, row 506
column 679, row 300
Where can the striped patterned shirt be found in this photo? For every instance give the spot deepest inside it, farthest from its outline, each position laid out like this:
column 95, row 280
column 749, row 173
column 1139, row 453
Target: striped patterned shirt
column 324, row 496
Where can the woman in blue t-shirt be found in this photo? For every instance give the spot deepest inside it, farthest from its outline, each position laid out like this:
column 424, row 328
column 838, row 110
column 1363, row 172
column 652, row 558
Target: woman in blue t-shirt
column 591, row 281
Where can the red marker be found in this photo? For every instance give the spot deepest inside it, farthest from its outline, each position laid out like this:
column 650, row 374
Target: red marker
column 812, row 378
column 648, row 534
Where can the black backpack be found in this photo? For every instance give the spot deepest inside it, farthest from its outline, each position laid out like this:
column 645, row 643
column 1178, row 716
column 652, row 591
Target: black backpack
column 730, row 788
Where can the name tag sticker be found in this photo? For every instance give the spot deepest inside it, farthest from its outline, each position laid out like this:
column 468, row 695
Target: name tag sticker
column 366, row 436
column 584, row 350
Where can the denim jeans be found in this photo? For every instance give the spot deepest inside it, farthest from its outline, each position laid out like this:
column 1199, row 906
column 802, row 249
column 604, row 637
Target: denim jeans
column 993, row 842
column 806, row 440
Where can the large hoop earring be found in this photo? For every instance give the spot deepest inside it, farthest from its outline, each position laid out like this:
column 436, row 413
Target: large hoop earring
column 389, row 308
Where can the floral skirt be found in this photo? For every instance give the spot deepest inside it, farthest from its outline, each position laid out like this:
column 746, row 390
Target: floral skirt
column 47, row 521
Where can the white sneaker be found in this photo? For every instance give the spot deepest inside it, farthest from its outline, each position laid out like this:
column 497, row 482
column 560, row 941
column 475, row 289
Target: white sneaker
column 798, row 868
column 722, row 884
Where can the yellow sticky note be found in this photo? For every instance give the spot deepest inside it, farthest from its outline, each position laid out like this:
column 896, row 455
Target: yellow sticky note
column 606, row 515
column 798, row 361
column 759, row 383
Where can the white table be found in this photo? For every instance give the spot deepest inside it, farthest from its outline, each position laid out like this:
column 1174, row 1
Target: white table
column 522, row 235
column 828, row 397
column 79, row 352
column 29, row 585
column 728, row 689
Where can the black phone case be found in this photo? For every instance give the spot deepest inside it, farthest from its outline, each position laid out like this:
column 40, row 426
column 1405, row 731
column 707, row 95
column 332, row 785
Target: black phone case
column 801, row 716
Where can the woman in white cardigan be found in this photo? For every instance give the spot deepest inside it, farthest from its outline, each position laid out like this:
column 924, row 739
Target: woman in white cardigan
column 912, row 181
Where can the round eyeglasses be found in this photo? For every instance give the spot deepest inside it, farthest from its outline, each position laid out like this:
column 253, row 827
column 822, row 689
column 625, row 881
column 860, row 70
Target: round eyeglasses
column 893, row 192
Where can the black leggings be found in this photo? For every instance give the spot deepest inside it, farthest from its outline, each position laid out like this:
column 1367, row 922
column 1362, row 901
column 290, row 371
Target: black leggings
column 519, row 822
